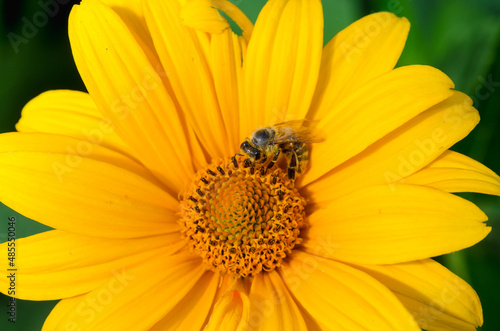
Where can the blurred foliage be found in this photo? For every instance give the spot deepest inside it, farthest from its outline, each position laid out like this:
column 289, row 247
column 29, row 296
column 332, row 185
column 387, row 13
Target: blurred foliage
column 460, row 37
column 33, row 60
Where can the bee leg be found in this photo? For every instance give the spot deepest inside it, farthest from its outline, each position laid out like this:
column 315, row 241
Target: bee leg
column 235, row 163
column 292, row 165
column 274, row 159
column 302, row 157
column 264, row 158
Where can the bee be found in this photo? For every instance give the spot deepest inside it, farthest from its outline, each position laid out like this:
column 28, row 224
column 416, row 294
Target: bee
column 288, row 138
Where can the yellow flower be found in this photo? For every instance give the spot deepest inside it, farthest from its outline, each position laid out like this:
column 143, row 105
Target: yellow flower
column 157, row 227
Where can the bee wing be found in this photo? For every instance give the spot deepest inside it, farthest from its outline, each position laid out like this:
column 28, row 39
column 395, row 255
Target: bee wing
column 298, row 131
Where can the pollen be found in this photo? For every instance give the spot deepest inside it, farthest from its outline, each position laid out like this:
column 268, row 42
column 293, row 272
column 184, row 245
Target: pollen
column 242, row 218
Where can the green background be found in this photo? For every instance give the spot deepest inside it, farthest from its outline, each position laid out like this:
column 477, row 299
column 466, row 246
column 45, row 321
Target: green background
column 460, row 37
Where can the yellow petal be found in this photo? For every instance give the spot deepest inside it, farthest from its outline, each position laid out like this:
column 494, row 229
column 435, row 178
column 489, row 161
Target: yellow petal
column 394, row 223
column 201, row 15
column 55, row 264
column 454, row 172
column 229, row 283
column 226, row 57
column 312, row 324
column 70, row 113
column 272, row 306
column 361, row 52
column 63, row 307
column 374, row 110
column 79, row 187
column 192, row 312
column 183, row 55
column 340, row 297
column 132, row 14
column 162, row 283
column 402, row 152
column 282, row 63
column 437, row 298
column 231, row 312
column 129, row 91
column 133, row 7
column 204, row 15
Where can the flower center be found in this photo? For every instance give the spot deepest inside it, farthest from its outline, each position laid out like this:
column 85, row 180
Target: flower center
column 242, row 219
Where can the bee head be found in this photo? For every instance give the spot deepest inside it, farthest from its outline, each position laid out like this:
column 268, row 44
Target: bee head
column 251, row 151
column 263, row 137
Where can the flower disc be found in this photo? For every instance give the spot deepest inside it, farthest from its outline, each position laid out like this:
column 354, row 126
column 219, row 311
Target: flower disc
column 242, row 220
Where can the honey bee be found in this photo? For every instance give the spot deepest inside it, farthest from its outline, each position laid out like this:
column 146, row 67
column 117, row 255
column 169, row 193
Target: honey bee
column 288, row 138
